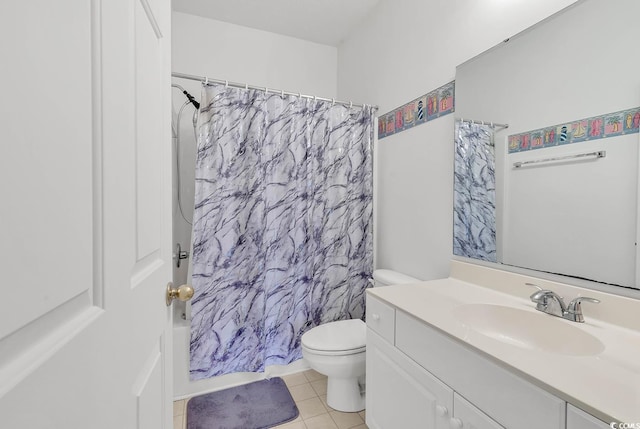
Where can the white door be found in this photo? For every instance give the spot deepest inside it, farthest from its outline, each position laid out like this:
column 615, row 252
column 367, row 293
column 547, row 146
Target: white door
column 85, row 214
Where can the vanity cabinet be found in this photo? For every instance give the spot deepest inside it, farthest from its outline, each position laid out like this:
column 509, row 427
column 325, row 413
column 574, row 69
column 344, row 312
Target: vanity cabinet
column 505, row 397
column 418, row 377
column 400, row 393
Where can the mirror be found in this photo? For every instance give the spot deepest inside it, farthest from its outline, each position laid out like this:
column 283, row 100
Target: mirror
column 566, row 169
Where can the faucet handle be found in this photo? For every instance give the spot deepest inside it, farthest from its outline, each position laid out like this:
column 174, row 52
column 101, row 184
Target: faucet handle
column 574, row 309
column 540, row 297
column 537, row 297
column 541, row 293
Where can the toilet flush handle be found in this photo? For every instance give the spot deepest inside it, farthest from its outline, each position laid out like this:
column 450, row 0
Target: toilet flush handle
column 375, row 316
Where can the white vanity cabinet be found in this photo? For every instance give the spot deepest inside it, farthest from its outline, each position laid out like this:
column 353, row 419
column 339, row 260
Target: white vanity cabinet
column 507, row 398
column 418, row 377
column 578, row 419
column 400, row 393
column 504, row 363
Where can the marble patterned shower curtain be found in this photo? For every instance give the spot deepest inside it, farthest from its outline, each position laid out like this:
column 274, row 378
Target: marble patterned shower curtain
column 474, row 225
column 282, row 225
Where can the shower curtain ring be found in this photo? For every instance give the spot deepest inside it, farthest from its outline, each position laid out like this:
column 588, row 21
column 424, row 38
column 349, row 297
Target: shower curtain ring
column 206, row 80
column 226, row 84
column 246, row 86
column 333, row 101
column 266, row 90
column 282, row 93
column 350, row 104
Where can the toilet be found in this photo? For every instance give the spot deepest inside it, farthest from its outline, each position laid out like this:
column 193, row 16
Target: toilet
column 337, row 350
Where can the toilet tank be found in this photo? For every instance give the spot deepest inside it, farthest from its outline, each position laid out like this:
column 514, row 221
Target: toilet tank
column 388, row 277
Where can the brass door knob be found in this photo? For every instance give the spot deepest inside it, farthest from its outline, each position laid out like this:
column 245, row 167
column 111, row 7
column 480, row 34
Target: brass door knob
column 182, row 293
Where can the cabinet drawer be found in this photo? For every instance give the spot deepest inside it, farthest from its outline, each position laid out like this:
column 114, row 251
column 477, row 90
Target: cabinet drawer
column 503, row 396
column 381, row 318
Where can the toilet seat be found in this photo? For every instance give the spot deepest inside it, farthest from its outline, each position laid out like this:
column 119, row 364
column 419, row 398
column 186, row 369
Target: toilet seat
column 343, row 337
column 334, row 352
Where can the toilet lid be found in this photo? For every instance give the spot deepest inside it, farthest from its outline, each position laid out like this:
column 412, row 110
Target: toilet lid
column 337, row 336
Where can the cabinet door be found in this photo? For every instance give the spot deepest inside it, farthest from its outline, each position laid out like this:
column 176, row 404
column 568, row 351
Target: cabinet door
column 505, row 396
column 400, row 393
column 466, row 416
column 578, row 419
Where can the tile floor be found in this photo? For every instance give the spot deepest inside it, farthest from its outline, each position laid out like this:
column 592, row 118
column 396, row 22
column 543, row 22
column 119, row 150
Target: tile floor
column 309, row 391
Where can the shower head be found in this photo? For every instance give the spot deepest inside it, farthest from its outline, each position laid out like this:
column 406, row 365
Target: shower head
column 191, row 99
column 189, row 96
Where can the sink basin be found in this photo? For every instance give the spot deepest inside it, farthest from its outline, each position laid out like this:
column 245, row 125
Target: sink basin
column 528, row 329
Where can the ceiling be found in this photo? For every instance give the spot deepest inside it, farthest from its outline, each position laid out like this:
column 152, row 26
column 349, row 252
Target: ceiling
column 322, row 21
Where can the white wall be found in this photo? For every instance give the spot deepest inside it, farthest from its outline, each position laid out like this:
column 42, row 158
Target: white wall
column 219, row 50
column 226, row 51
column 403, row 50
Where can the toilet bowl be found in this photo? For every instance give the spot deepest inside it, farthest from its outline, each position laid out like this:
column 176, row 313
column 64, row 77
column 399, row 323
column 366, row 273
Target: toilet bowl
column 338, row 350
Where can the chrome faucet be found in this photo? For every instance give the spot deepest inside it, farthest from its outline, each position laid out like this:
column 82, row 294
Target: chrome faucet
column 551, row 303
column 574, row 310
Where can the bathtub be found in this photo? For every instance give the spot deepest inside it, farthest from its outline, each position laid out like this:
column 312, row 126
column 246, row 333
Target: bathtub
column 183, row 387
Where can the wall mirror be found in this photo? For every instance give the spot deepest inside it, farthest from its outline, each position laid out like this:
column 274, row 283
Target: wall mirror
column 556, row 191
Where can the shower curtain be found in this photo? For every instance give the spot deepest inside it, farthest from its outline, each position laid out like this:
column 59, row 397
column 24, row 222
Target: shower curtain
column 282, row 225
column 474, row 225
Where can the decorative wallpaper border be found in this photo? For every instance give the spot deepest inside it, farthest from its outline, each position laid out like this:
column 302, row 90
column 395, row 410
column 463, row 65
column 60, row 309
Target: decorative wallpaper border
column 598, row 127
column 435, row 104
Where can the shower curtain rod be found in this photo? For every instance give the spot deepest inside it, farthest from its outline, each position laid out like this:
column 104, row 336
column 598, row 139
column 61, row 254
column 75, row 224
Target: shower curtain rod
column 492, row 124
column 206, row 80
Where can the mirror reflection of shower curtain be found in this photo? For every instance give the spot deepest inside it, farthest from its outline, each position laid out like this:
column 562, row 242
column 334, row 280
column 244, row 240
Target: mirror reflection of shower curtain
column 474, row 202
column 282, row 225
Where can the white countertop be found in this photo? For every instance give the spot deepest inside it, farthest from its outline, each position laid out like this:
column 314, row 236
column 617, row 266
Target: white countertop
column 606, row 385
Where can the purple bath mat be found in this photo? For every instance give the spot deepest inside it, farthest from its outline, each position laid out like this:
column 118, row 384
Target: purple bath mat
column 259, row 405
